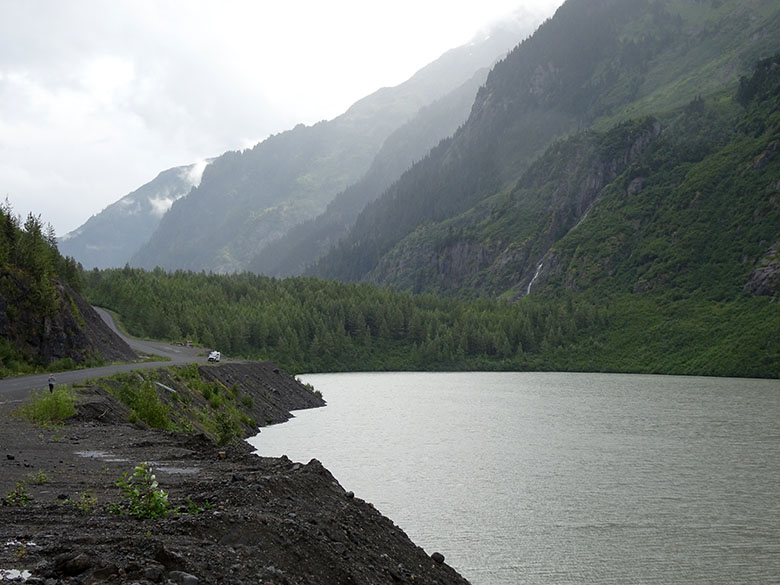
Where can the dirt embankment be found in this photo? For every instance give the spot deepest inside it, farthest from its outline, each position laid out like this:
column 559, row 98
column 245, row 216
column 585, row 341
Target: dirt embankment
column 242, row 519
column 274, row 392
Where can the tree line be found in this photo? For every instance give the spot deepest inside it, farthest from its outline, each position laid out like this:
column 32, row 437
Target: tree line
column 308, row 324
column 28, row 251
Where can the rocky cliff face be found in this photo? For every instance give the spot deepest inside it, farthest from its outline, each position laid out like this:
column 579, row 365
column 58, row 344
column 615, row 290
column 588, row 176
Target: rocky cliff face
column 552, row 198
column 73, row 330
column 765, row 279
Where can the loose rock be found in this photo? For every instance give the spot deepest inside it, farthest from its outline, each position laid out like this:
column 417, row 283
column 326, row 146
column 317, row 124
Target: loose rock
column 182, row 578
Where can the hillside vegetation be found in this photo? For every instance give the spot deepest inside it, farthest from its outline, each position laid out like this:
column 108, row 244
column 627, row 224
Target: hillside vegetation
column 595, row 65
column 302, row 246
column 678, row 204
column 654, row 246
column 44, row 323
column 307, row 324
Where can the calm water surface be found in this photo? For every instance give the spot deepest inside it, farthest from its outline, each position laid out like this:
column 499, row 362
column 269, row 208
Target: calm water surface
column 559, row 478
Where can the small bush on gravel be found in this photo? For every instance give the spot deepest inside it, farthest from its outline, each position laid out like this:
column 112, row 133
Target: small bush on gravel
column 38, row 478
column 226, row 428
column 86, row 503
column 19, row 496
column 49, row 408
column 141, row 397
column 145, row 500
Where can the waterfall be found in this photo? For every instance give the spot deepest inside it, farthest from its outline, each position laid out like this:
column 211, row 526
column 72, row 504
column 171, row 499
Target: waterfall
column 530, row 284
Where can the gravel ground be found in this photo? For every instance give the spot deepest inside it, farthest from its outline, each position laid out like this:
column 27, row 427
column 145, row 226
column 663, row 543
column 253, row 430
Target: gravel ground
column 241, row 518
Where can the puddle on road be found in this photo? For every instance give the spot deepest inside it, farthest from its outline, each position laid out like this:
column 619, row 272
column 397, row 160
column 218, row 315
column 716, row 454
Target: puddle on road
column 156, row 467
column 102, row 455
column 10, row 574
column 174, row 470
column 179, row 470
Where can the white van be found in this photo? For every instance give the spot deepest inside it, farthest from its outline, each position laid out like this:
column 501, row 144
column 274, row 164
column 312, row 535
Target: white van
column 214, row 356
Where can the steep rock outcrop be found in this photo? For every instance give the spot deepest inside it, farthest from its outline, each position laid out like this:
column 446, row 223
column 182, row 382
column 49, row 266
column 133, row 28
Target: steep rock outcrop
column 552, row 198
column 765, row 279
column 73, row 330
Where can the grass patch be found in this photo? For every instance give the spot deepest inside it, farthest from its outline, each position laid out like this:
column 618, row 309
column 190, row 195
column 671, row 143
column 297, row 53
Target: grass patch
column 49, row 408
column 19, row 496
column 38, row 478
column 152, row 358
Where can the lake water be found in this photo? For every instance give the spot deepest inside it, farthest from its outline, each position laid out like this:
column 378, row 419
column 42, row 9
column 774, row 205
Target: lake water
column 543, row 478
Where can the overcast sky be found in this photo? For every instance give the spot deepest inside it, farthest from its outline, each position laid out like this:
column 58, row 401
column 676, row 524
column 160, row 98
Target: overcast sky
column 98, row 96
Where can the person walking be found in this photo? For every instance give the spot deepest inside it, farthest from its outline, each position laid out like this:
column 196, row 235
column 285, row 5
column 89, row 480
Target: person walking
column 51, row 382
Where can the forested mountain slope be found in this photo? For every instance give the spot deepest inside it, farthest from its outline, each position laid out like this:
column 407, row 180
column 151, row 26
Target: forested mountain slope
column 698, row 213
column 594, row 64
column 44, row 322
column 306, row 243
column 248, row 199
column 659, row 242
column 685, row 202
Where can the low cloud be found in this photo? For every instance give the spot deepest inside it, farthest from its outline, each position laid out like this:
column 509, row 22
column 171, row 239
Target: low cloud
column 194, row 173
column 161, row 205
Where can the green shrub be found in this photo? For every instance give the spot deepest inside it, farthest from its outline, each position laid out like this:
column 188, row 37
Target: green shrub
column 188, row 372
column 233, row 392
column 63, row 365
column 142, row 398
column 38, row 478
column 191, row 507
column 226, row 428
column 85, row 503
column 216, row 400
column 47, row 408
column 144, row 499
column 19, row 496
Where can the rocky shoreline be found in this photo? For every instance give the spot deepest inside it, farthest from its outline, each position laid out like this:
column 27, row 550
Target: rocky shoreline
column 237, row 517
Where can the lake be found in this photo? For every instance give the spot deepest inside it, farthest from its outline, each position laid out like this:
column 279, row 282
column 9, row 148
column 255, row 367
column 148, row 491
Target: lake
column 543, row 478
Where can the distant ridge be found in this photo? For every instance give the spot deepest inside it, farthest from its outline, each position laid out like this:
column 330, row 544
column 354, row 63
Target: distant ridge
column 110, row 238
column 249, row 199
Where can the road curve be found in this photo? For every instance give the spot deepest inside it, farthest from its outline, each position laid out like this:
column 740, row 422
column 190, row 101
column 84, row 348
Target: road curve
column 18, row 388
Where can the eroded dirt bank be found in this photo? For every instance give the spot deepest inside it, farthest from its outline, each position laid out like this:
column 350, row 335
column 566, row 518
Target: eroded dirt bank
column 243, row 518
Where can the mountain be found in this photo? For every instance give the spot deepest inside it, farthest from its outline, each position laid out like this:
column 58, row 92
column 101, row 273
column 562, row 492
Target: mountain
column 248, row 199
column 111, row 237
column 608, row 99
column 303, row 245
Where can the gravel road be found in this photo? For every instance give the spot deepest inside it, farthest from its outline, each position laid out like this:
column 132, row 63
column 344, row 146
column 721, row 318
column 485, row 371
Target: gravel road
column 18, row 388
